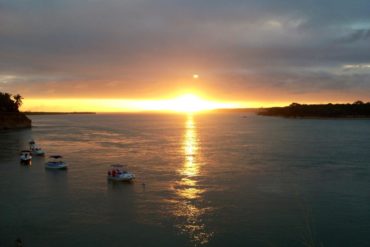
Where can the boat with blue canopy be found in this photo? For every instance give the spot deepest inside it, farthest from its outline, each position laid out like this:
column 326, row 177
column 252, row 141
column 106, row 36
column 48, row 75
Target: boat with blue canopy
column 56, row 162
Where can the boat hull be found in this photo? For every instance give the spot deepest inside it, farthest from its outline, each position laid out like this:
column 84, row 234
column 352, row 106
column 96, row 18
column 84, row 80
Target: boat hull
column 56, row 166
column 38, row 153
column 125, row 178
column 25, row 162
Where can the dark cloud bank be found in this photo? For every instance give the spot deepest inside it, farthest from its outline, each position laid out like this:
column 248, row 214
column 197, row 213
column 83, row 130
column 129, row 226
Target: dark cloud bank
column 241, row 48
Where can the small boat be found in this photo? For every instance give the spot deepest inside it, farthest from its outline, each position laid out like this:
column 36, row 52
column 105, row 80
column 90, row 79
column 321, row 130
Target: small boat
column 118, row 173
column 56, row 162
column 36, row 149
column 25, row 157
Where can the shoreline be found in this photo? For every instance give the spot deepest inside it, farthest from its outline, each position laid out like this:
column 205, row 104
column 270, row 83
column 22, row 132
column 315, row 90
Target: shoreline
column 320, row 118
column 56, row 113
column 356, row 110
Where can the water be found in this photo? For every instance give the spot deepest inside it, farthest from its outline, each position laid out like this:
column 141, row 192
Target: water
column 210, row 180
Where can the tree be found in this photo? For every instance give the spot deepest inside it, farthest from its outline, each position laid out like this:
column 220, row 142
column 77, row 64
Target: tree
column 18, row 100
column 9, row 103
column 358, row 102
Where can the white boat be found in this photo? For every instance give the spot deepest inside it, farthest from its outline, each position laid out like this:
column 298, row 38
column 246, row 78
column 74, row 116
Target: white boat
column 55, row 162
column 25, row 157
column 118, row 173
column 36, row 149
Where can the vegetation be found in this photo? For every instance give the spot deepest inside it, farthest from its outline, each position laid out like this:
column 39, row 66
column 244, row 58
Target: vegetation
column 10, row 117
column 9, row 103
column 357, row 109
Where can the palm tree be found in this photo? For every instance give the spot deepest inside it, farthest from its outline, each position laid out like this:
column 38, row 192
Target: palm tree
column 18, row 100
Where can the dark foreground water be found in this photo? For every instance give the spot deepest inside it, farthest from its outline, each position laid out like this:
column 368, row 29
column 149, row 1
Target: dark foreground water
column 210, row 180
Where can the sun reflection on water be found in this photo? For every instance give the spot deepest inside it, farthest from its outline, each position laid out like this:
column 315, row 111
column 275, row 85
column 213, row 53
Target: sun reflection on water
column 190, row 168
column 189, row 193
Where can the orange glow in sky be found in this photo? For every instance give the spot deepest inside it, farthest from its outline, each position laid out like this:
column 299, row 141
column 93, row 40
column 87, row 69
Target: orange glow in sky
column 184, row 103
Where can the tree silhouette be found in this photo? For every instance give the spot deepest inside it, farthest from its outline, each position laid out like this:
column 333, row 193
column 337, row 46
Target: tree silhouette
column 9, row 103
column 18, row 100
column 358, row 102
column 357, row 109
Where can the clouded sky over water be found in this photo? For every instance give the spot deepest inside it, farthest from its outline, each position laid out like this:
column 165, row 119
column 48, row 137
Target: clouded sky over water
column 265, row 50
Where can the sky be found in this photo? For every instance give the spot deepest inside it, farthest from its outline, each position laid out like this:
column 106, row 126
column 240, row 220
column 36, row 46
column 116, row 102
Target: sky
column 255, row 53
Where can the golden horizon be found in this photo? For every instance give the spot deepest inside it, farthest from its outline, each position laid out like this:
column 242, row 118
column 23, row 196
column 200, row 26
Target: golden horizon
column 182, row 104
column 187, row 102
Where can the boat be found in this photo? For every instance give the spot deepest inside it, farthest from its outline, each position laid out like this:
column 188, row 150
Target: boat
column 36, row 149
column 119, row 173
column 25, row 157
column 55, row 162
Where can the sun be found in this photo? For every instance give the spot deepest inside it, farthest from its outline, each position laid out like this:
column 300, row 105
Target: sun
column 186, row 103
column 190, row 103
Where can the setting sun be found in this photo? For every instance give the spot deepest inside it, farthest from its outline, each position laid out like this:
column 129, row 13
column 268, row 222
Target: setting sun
column 184, row 103
column 191, row 103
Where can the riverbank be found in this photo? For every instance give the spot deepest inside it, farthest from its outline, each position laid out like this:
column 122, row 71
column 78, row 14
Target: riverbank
column 14, row 120
column 295, row 110
column 55, row 113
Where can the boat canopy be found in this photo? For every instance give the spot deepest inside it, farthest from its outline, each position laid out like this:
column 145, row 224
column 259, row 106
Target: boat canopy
column 56, row 156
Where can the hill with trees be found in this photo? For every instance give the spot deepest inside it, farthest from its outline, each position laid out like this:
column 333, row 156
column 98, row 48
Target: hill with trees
column 10, row 117
column 9, row 103
column 357, row 109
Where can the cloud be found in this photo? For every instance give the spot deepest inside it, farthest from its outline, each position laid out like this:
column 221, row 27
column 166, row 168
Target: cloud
column 357, row 35
column 146, row 47
column 356, row 66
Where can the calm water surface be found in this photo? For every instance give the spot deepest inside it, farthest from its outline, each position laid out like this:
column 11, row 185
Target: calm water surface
column 210, row 180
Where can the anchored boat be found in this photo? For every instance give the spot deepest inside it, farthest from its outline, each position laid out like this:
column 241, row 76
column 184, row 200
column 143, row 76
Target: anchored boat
column 36, row 149
column 55, row 162
column 25, row 157
column 118, row 173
